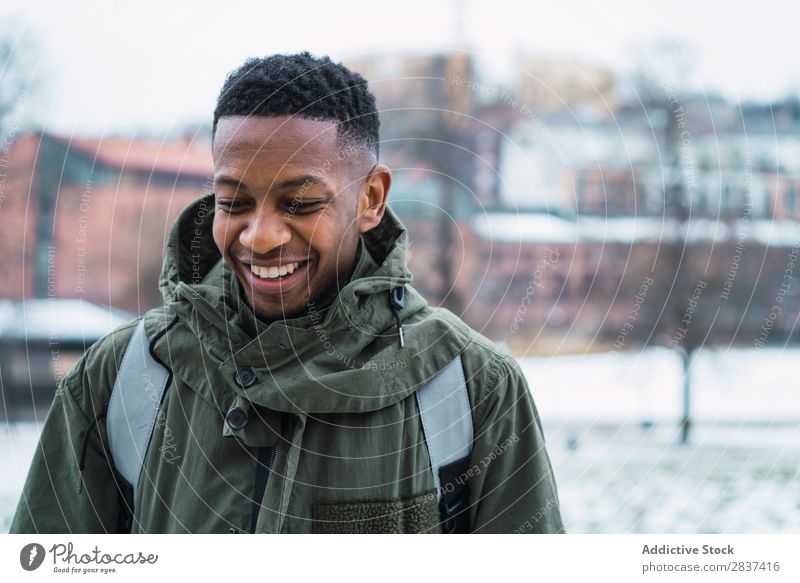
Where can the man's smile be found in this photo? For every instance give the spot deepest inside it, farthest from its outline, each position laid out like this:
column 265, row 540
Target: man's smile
column 277, row 277
column 274, row 272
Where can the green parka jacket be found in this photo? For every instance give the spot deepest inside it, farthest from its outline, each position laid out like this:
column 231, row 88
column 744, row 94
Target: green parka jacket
column 334, row 393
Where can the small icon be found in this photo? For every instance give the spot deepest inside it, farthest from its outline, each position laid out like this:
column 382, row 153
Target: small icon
column 31, row 556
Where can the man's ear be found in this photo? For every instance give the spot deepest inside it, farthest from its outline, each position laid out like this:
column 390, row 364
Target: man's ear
column 372, row 198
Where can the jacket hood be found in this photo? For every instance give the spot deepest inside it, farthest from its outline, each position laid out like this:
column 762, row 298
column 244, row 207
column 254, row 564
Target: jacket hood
column 343, row 357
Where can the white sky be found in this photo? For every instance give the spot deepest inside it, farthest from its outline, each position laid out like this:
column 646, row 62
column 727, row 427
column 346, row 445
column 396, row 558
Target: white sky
column 145, row 65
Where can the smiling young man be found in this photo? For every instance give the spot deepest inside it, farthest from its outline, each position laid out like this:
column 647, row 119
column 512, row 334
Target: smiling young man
column 294, row 380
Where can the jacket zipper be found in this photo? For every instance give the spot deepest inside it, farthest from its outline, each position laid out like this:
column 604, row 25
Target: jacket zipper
column 266, row 457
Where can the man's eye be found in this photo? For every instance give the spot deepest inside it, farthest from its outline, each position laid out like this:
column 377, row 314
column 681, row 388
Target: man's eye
column 304, row 206
column 230, row 204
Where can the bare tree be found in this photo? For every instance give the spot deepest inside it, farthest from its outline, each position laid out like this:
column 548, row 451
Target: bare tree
column 662, row 92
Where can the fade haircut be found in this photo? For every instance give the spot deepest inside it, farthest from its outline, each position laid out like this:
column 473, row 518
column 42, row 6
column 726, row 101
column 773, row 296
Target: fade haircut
column 304, row 86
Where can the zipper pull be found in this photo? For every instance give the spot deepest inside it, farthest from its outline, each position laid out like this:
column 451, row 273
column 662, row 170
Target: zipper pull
column 398, row 302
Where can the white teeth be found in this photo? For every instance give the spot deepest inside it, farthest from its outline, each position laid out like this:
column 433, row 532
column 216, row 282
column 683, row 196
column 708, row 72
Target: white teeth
column 274, row 272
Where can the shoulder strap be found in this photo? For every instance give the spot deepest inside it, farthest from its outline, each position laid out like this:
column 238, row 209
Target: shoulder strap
column 133, row 407
column 446, row 418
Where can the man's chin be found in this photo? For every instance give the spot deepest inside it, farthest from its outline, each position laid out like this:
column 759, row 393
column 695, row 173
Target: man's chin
column 279, row 312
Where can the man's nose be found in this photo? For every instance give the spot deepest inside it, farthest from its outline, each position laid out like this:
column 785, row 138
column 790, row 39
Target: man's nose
column 265, row 231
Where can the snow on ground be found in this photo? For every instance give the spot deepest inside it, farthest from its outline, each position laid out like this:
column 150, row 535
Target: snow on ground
column 594, row 388
column 611, row 425
column 652, row 484
column 17, row 444
column 732, row 386
column 63, row 319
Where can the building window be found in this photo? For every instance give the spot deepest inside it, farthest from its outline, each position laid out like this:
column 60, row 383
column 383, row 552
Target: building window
column 791, row 198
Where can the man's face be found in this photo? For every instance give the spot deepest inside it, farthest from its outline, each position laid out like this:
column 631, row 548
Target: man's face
column 288, row 200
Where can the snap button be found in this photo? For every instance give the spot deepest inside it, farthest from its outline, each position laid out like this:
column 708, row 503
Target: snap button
column 232, row 530
column 245, row 377
column 236, row 418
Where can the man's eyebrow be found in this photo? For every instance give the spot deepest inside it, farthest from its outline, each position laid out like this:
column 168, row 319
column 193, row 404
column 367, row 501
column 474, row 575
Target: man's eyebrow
column 226, row 180
column 301, row 181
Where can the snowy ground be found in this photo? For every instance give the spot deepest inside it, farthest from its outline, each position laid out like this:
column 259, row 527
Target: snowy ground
column 17, row 444
column 611, row 430
column 733, row 386
column 611, row 427
column 632, row 480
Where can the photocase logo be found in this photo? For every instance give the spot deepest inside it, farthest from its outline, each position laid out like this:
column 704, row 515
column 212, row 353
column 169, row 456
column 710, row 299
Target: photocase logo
column 31, row 556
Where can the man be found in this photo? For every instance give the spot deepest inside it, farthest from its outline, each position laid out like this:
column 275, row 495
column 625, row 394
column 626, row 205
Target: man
column 295, row 355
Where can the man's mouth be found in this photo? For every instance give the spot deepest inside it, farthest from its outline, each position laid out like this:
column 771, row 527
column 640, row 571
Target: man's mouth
column 276, row 272
column 276, row 278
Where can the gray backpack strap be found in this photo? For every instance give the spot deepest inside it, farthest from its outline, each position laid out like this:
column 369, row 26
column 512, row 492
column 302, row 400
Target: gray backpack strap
column 447, row 424
column 133, row 408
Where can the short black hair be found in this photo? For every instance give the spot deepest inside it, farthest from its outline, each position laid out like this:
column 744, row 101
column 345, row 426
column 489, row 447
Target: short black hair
column 305, row 86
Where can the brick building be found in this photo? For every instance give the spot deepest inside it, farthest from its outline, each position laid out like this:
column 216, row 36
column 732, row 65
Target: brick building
column 88, row 217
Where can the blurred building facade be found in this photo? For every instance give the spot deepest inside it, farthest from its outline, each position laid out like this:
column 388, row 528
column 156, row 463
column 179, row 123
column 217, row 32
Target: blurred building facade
column 545, row 218
column 87, row 218
column 550, row 84
column 590, row 180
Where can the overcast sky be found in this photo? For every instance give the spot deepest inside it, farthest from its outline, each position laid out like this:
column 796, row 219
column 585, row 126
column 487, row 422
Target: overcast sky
column 143, row 66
